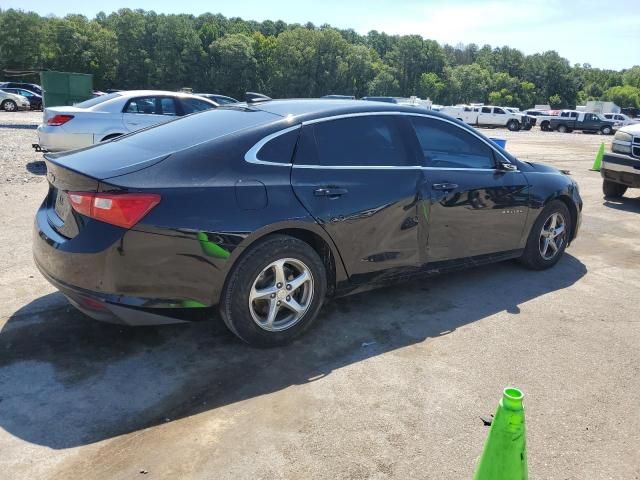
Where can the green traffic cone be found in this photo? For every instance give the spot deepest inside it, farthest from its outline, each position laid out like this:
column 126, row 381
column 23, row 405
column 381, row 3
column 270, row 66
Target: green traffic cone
column 597, row 163
column 505, row 453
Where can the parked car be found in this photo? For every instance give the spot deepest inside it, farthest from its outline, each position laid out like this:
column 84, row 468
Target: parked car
column 490, row 116
column 570, row 120
column 219, row 99
column 621, row 169
column 381, row 99
column 621, row 119
column 32, row 87
column 35, row 100
column 542, row 117
column 109, row 116
column 340, row 97
column 264, row 210
column 11, row 102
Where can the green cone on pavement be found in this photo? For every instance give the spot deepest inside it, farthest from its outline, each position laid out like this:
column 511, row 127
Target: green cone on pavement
column 597, row 163
column 505, row 452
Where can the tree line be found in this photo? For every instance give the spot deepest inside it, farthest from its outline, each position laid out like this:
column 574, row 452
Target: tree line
column 132, row 49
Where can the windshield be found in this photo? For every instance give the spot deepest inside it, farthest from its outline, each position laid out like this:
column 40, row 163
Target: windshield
column 97, row 100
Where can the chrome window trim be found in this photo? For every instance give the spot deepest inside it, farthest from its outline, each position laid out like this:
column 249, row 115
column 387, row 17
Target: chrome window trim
column 252, row 154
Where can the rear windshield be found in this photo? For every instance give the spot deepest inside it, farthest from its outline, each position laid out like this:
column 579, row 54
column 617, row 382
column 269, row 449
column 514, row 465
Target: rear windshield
column 97, row 100
column 134, row 151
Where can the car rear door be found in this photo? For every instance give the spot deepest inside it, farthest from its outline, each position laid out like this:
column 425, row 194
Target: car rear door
column 471, row 207
column 143, row 112
column 358, row 178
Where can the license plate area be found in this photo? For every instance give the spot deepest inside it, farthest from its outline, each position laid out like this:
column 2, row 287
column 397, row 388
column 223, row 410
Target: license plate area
column 62, row 206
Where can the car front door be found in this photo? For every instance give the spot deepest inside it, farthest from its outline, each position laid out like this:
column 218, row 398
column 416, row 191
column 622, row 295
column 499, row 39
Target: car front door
column 486, row 116
column 472, row 205
column 358, row 178
column 591, row 122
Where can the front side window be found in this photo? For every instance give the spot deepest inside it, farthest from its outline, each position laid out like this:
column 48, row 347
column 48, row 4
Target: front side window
column 168, row 106
column 498, row 110
column 143, row 105
column 371, row 140
column 486, row 110
column 448, row 146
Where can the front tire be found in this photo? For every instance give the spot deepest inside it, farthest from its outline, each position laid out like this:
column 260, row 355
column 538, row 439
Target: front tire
column 563, row 129
column 606, row 130
column 613, row 189
column 275, row 291
column 9, row 106
column 548, row 237
column 544, row 126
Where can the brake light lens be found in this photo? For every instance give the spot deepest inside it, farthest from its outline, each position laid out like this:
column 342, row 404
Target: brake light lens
column 58, row 120
column 120, row 209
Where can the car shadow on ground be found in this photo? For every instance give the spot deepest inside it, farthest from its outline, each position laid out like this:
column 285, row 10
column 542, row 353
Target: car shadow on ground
column 625, row 203
column 66, row 380
column 37, row 167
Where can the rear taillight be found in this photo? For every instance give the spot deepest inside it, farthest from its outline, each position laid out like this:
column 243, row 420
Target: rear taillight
column 58, row 120
column 120, row 209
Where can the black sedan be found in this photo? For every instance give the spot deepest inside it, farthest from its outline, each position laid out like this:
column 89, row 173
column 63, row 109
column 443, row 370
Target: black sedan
column 263, row 210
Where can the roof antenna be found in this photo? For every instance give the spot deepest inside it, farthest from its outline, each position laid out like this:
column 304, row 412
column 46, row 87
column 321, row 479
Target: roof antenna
column 253, row 97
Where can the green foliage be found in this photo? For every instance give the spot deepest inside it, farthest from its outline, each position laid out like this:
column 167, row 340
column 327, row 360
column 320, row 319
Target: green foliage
column 210, row 52
column 624, row 96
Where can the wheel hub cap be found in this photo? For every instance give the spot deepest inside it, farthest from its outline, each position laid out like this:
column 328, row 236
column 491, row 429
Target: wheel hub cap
column 281, row 294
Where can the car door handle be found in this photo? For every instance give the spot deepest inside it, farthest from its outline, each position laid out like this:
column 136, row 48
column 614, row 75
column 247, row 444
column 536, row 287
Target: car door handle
column 329, row 192
column 444, row 186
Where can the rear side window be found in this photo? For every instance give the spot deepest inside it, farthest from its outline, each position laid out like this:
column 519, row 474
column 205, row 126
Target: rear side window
column 143, row 105
column 280, row 149
column 168, row 106
column 486, row 110
column 193, row 105
column 448, row 146
column 371, row 140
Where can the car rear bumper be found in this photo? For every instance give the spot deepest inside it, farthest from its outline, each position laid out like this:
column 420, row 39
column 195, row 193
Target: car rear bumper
column 621, row 169
column 55, row 139
column 126, row 276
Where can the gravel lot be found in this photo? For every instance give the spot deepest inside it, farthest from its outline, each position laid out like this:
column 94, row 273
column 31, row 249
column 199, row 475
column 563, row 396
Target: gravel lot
column 390, row 384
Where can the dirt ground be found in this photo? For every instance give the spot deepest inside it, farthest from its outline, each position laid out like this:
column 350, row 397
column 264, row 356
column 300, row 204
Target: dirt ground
column 390, row 384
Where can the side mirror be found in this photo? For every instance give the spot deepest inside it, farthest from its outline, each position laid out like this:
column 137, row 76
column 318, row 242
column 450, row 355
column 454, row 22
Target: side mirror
column 508, row 167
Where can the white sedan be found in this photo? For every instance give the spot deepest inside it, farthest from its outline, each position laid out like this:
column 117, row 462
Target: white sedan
column 109, row 116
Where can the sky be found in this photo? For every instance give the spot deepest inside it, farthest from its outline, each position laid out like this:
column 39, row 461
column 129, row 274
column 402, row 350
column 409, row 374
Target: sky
column 603, row 34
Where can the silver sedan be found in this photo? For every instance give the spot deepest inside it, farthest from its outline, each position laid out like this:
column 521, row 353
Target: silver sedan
column 109, row 116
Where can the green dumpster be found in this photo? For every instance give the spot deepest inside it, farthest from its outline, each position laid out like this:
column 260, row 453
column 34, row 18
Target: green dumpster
column 65, row 88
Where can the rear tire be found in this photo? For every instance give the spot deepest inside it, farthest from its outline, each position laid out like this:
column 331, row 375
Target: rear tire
column 544, row 126
column 513, row 125
column 613, row 189
column 9, row 106
column 111, row 137
column 274, row 292
column 546, row 244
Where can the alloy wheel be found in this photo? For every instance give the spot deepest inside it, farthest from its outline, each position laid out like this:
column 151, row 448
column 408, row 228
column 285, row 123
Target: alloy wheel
column 281, row 294
column 552, row 236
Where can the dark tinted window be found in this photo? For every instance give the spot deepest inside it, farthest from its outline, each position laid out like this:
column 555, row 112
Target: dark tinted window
column 486, row 110
column 498, row 110
column 193, row 105
column 372, row 140
column 280, row 149
column 448, row 146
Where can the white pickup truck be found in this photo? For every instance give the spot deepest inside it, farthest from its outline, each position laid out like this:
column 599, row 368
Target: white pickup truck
column 621, row 168
column 543, row 117
column 490, row 116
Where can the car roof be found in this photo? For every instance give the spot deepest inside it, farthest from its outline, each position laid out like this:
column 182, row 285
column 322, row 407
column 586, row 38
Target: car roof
column 312, row 108
column 138, row 93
